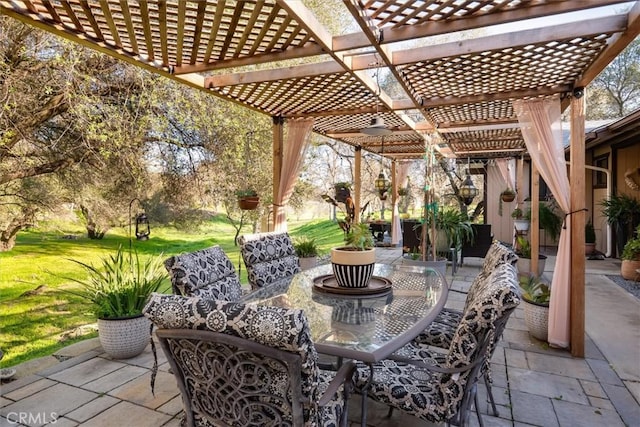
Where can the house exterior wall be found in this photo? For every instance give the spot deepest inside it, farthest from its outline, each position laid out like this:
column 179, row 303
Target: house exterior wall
column 623, row 156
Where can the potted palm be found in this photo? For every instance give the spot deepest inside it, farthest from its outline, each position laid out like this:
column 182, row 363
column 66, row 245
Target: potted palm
column 307, row 251
column 353, row 264
column 631, row 258
column 535, row 296
column 118, row 289
column 623, row 214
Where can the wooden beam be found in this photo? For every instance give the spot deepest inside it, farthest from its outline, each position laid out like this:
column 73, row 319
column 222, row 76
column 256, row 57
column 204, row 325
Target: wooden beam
column 432, row 28
column 298, row 71
column 610, row 24
column 577, row 219
column 616, row 45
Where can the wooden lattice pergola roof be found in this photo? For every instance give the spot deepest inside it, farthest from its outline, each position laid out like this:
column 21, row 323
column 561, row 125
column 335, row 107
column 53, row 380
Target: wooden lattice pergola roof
column 275, row 57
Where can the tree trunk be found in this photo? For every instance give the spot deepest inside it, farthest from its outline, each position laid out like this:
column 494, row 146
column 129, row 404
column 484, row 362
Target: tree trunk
column 9, row 234
column 94, row 231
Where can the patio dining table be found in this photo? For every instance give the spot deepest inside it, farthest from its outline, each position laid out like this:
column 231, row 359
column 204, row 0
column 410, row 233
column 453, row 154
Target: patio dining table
column 366, row 324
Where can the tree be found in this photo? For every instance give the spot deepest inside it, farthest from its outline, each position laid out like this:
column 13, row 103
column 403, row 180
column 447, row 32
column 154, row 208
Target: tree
column 620, row 84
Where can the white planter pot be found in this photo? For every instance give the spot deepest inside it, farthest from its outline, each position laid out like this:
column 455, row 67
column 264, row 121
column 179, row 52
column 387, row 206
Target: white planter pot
column 536, row 318
column 521, row 224
column 353, row 268
column 124, row 338
column 308, row 263
column 524, row 266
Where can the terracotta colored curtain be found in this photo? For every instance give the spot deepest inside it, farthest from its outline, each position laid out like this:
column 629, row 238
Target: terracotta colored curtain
column 507, row 168
column 295, row 146
column 540, row 124
column 402, row 171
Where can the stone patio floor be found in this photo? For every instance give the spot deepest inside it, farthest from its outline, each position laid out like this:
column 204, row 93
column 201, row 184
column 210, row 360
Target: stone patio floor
column 533, row 384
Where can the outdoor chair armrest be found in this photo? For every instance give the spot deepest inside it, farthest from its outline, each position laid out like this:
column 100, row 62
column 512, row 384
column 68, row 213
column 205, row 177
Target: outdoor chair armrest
column 344, row 373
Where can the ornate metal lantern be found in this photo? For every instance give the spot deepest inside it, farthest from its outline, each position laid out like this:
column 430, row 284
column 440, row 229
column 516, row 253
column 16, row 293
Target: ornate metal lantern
column 142, row 227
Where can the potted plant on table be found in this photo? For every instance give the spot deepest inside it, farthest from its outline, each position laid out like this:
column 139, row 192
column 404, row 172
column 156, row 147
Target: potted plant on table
column 631, row 258
column 248, row 199
column 536, row 295
column 307, row 251
column 118, row 289
column 353, row 264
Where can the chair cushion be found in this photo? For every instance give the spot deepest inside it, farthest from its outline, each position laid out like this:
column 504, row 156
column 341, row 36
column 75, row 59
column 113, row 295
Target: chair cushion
column 497, row 255
column 412, row 389
column 207, row 273
column 434, row 396
column 440, row 332
column 268, row 257
column 285, row 329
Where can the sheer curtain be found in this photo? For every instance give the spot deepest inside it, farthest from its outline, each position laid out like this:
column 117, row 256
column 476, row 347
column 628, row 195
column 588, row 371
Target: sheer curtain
column 540, row 125
column 295, row 146
column 402, row 171
column 508, row 171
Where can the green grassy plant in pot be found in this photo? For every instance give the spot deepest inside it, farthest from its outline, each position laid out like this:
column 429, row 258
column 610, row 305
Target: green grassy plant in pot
column 536, row 295
column 631, row 258
column 523, row 249
column 353, row 264
column 118, row 289
column 307, row 250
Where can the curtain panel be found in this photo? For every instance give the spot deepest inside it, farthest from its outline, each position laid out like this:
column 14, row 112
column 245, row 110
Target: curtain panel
column 295, row 147
column 541, row 128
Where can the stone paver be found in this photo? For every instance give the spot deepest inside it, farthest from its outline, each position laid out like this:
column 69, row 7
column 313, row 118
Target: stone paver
column 542, row 384
column 128, row 414
column 93, row 408
column 576, row 368
column 575, row 415
column 115, row 379
column 533, row 409
column 138, row 391
column 624, row 403
column 88, row 371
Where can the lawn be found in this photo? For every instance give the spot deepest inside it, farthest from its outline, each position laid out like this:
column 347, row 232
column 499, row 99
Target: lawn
column 37, row 317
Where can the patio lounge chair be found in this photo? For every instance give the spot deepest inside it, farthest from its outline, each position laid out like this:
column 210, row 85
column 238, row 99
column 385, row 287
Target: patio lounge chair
column 268, row 257
column 239, row 365
column 442, row 388
column 207, row 273
column 441, row 331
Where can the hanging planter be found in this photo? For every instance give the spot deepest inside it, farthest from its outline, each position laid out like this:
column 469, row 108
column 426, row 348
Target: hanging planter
column 508, row 195
column 248, row 200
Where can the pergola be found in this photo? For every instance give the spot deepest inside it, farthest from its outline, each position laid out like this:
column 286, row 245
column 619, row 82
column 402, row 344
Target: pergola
column 453, row 66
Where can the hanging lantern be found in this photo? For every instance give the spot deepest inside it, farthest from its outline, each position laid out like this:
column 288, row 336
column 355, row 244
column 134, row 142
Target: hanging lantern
column 382, row 185
column 467, row 190
column 142, row 227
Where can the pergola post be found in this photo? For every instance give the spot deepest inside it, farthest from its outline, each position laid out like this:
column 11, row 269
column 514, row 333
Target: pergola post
column 534, row 226
column 278, row 137
column 394, row 194
column 357, row 183
column 577, row 218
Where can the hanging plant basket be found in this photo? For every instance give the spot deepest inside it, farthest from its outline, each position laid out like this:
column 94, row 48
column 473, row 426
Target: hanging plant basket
column 248, row 203
column 508, row 196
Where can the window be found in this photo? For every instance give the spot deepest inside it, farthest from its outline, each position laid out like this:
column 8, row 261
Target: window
column 600, row 178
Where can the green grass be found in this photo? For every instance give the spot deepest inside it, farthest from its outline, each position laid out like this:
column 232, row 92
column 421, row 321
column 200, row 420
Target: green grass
column 37, row 319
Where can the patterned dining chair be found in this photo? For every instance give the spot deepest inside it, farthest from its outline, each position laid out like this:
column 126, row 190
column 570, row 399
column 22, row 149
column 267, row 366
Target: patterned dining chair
column 443, row 388
column 207, row 273
column 242, row 365
column 440, row 332
column 268, row 257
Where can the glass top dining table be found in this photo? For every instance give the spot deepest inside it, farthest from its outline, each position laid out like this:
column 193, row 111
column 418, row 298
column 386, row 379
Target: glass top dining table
column 369, row 326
